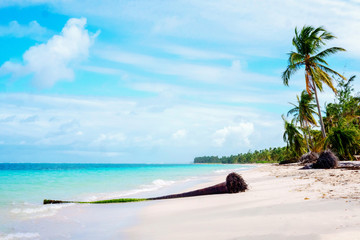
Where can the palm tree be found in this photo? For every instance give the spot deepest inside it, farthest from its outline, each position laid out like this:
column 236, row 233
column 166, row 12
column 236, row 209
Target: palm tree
column 303, row 113
column 308, row 43
column 292, row 137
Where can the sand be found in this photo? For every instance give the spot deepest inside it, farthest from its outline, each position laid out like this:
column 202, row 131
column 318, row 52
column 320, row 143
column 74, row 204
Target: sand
column 282, row 203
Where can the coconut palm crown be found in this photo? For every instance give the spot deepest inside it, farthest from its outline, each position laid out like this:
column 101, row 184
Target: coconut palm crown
column 304, row 109
column 309, row 54
column 303, row 113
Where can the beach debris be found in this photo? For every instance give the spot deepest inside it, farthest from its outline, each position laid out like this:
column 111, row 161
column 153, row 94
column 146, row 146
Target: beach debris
column 350, row 166
column 234, row 183
column 119, row 200
column 326, row 160
column 310, row 157
column 288, row 161
column 308, row 166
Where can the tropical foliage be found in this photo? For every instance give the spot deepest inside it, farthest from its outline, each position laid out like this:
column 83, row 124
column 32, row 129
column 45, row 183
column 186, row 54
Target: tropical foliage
column 341, row 121
column 310, row 55
column 340, row 126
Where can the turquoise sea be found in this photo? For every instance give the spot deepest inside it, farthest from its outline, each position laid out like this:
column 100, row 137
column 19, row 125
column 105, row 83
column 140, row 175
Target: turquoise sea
column 24, row 186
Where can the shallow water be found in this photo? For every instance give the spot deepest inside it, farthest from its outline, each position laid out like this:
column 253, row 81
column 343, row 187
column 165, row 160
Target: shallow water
column 24, row 186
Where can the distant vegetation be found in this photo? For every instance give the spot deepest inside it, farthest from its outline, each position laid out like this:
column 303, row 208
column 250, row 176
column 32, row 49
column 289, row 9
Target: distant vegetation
column 340, row 125
column 262, row 156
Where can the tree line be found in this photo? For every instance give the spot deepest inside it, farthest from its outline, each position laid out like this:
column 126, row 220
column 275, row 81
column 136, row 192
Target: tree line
column 258, row 156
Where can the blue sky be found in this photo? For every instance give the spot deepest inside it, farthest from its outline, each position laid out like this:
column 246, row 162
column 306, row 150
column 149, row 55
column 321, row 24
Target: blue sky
column 154, row 81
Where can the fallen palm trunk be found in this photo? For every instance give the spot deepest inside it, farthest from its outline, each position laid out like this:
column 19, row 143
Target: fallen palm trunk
column 119, row 200
column 234, row 183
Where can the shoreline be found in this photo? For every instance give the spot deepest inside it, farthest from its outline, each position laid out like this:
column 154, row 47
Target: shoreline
column 281, row 203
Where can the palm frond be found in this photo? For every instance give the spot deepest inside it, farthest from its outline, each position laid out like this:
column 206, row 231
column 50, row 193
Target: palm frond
column 328, row 52
column 295, row 57
column 324, row 77
column 327, row 35
column 315, row 59
column 290, row 70
column 316, row 78
column 329, row 70
column 294, row 111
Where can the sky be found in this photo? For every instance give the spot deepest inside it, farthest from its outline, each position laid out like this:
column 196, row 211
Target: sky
column 155, row 81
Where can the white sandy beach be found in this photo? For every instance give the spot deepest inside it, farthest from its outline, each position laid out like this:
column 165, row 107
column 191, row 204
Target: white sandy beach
column 282, row 203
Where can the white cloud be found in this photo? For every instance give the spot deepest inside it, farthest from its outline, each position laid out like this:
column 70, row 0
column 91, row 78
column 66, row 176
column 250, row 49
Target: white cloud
column 52, row 61
column 168, row 24
column 5, row 3
column 237, row 134
column 232, row 71
column 163, row 66
column 193, row 53
column 253, row 25
column 89, row 153
column 79, row 133
column 198, row 81
column 103, row 70
column 133, row 127
column 179, row 134
column 32, row 30
column 110, row 139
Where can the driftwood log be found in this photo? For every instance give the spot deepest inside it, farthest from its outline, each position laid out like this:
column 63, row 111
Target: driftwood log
column 234, row 183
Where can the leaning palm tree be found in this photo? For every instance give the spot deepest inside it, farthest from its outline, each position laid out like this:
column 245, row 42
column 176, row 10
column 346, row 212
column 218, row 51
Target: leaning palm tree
column 308, row 43
column 303, row 112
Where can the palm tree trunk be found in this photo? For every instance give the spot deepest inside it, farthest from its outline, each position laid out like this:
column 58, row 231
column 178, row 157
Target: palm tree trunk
column 306, row 139
column 308, row 129
column 319, row 111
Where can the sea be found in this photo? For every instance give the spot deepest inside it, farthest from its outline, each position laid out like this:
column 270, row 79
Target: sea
column 24, row 186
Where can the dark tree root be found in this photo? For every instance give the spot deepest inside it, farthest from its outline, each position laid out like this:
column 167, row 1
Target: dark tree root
column 326, row 160
column 234, row 184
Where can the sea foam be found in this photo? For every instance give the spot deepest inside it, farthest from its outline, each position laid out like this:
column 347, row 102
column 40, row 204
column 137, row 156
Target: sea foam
column 155, row 185
column 17, row 236
column 38, row 211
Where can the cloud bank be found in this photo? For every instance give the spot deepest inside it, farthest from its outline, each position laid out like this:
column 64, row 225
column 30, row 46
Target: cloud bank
column 32, row 30
column 52, row 61
column 130, row 130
